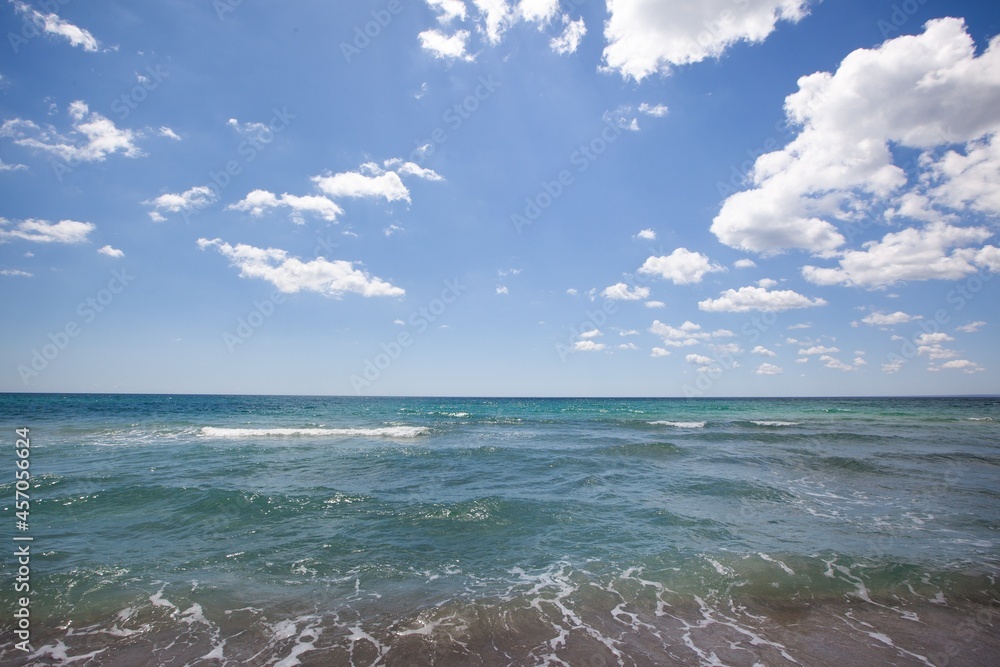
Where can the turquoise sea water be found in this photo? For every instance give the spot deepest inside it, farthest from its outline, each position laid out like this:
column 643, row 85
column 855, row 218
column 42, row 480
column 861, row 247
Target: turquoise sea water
column 207, row 530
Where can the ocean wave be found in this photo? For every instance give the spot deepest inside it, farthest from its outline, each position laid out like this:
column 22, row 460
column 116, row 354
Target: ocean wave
column 678, row 424
column 383, row 432
column 772, row 423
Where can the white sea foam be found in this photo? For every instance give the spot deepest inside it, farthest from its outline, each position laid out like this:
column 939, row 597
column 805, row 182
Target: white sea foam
column 678, row 424
column 773, row 423
column 383, row 432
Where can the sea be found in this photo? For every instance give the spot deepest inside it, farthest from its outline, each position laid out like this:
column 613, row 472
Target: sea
column 179, row 530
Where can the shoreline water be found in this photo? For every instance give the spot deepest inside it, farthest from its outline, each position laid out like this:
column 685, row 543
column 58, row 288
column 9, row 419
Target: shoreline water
column 286, row 530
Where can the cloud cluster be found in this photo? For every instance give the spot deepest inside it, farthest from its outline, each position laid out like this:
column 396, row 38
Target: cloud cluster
column 644, row 38
column 490, row 20
column 291, row 275
column 42, row 231
column 682, row 267
column 928, row 92
column 92, row 138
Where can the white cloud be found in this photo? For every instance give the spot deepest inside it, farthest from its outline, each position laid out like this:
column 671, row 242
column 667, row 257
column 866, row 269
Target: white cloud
column 197, row 197
column 16, row 273
column 628, row 346
column 53, row 25
column 767, row 283
column 820, row 350
column 450, row 47
column 889, row 319
column 42, row 231
column 628, row 332
column 933, row 338
column 937, row 251
column 502, row 289
column 971, row 327
column 291, row 275
column 893, row 366
column 919, row 92
column 758, row 298
column 659, row 352
column 801, row 325
column 649, row 37
column 111, row 252
column 495, row 17
column 412, row 169
column 92, row 139
column 621, row 291
column 963, row 365
column 646, row 235
column 682, row 266
column 392, row 229
column 572, row 291
column 355, row 184
column 448, row 10
column 569, row 41
column 165, row 131
column 657, row 110
column 699, row 360
column 592, row 333
column 11, row 167
column 768, row 369
column 538, row 11
column 259, row 202
column 761, row 350
column 588, row 346
column 745, row 263
column 655, row 304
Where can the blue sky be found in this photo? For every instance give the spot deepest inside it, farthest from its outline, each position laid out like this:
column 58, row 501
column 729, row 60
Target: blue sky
column 490, row 197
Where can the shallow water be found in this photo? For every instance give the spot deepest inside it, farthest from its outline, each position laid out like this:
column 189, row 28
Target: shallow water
column 360, row 531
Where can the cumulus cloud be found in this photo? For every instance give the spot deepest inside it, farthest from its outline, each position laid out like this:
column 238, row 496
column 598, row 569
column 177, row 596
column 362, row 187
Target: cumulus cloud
column 819, row 350
column 92, row 138
column 963, row 365
column 376, row 183
column 768, row 369
column 746, row 299
column 763, row 351
column 196, row 198
column 699, row 360
column 291, row 275
column 15, row 273
column 659, row 352
column 588, row 346
column 11, row 167
column 922, row 92
column 111, row 252
column 569, row 41
column 446, row 47
column 971, row 327
column 682, row 266
column 646, row 235
column 745, row 263
column 51, row 24
column 652, row 37
column 448, row 10
column 655, row 304
column 42, row 231
column 937, row 251
column 258, row 202
column 889, row 319
column 623, row 292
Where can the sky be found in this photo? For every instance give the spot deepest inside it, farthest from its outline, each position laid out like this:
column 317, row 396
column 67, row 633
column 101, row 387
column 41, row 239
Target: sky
column 500, row 197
